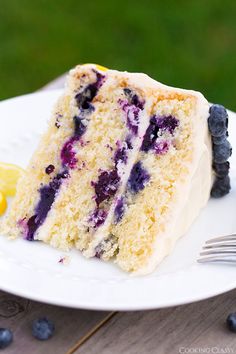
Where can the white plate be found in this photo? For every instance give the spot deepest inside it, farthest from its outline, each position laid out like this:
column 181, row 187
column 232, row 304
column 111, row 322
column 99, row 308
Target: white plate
column 31, row 269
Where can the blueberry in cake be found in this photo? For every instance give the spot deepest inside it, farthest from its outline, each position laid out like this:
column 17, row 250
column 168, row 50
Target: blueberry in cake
column 123, row 170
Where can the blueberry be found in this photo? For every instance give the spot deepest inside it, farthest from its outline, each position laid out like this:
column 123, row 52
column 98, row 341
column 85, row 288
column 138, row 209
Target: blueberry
column 47, row 196
column 119, row 210
column 218, row 140
column 138, row 178
column 168, row 123
column 221, row 187
column 79, row 125
column 133, row 98
column 163, row 124
column 150, row 135
column 68, row 154
column 218, row 120
column 43, row 329
column 98, row 217
column 221, row 169
column 106, row 186
column 222, row 152
column 49, row 169
column 6, row 337
column 231, row 322
column 85, row 97
column 121, row 155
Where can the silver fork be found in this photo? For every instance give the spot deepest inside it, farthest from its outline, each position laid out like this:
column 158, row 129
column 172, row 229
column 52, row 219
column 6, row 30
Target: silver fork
column 219, row 250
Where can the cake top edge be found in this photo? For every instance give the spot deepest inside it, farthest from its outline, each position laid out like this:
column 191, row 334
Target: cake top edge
column 141, row 79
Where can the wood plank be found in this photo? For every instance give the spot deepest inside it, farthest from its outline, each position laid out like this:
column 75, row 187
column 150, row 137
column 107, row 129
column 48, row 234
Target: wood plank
column 198, row 325
column 71, row 325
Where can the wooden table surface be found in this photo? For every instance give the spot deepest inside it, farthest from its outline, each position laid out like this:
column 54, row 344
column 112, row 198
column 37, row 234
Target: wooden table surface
column 193, row 328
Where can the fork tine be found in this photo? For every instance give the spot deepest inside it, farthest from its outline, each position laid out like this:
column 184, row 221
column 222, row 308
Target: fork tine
column 220, row 245
column 231, row 237
column 218, row 259
column 219, row 252
column 220, row 249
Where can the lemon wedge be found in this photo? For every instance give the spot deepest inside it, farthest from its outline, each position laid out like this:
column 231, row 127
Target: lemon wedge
column 9, row 175
column 3, row 203
column 99, row 67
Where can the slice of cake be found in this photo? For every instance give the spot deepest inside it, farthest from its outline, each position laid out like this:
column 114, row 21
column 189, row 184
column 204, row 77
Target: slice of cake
column 123, row 169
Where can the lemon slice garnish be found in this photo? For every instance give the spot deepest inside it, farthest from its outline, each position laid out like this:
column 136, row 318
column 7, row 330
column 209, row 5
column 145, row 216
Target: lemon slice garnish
column 9, row 175
column 3, row 203
column 99, row 67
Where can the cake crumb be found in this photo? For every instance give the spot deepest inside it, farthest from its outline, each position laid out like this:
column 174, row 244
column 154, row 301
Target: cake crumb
column 65, row 260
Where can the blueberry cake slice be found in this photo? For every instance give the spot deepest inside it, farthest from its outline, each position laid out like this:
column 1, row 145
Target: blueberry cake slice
column 123, row 169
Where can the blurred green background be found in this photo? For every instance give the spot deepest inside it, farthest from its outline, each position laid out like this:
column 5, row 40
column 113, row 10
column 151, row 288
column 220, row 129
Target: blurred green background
column 190, row 44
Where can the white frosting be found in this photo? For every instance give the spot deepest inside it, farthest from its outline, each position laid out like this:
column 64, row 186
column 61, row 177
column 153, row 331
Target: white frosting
column 192, row 196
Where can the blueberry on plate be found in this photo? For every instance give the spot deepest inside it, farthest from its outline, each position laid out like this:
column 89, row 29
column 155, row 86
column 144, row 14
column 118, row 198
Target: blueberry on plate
column 218, row 120
column 221, row 169
column 221, row 187
column 231, row 322
column 218, row 140
column 222, row 152
column 43, row 328
column 6, row 337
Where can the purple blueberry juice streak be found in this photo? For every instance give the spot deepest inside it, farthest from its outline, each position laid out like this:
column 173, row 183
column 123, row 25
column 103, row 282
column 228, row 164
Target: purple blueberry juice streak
column 98, row 217
column 79, row 126
column 157, row 127
column 84, row 102
column 119, row 210
column 138, row 178
column 68, row 153
column 121, row 153
column 133, row 98
column 109, row 181
column 106, row 186
column 85, row 97
column 132, row 115
column 150, row 135
column 22, row 224
column 132, row 106
column 168, row 123
column 162, row 147
column 47, row 196
column 128, row 141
